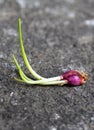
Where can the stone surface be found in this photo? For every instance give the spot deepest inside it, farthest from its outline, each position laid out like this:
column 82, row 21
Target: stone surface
column 58, row 35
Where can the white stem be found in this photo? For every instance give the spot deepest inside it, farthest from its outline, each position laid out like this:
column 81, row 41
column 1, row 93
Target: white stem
column 40, row 82
column 49, row 81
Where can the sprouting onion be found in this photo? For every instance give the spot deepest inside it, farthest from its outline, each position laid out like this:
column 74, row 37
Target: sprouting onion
column 72, row 77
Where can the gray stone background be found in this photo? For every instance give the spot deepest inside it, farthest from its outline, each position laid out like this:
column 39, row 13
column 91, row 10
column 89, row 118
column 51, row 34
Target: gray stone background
column 58, row 36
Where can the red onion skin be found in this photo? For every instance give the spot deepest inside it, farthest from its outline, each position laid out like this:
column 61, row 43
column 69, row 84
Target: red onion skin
column 74, row 77
column 74, row 80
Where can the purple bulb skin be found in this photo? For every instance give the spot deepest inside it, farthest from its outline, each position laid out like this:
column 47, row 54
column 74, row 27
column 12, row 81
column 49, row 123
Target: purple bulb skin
column 74, row 77
column 74, row 80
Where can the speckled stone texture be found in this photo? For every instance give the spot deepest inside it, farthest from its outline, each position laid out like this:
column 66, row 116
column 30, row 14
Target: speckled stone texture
column 58, row 35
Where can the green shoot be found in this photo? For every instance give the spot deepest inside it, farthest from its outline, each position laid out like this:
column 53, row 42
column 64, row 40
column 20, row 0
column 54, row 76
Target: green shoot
column 39, row 79
column 37, row 76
